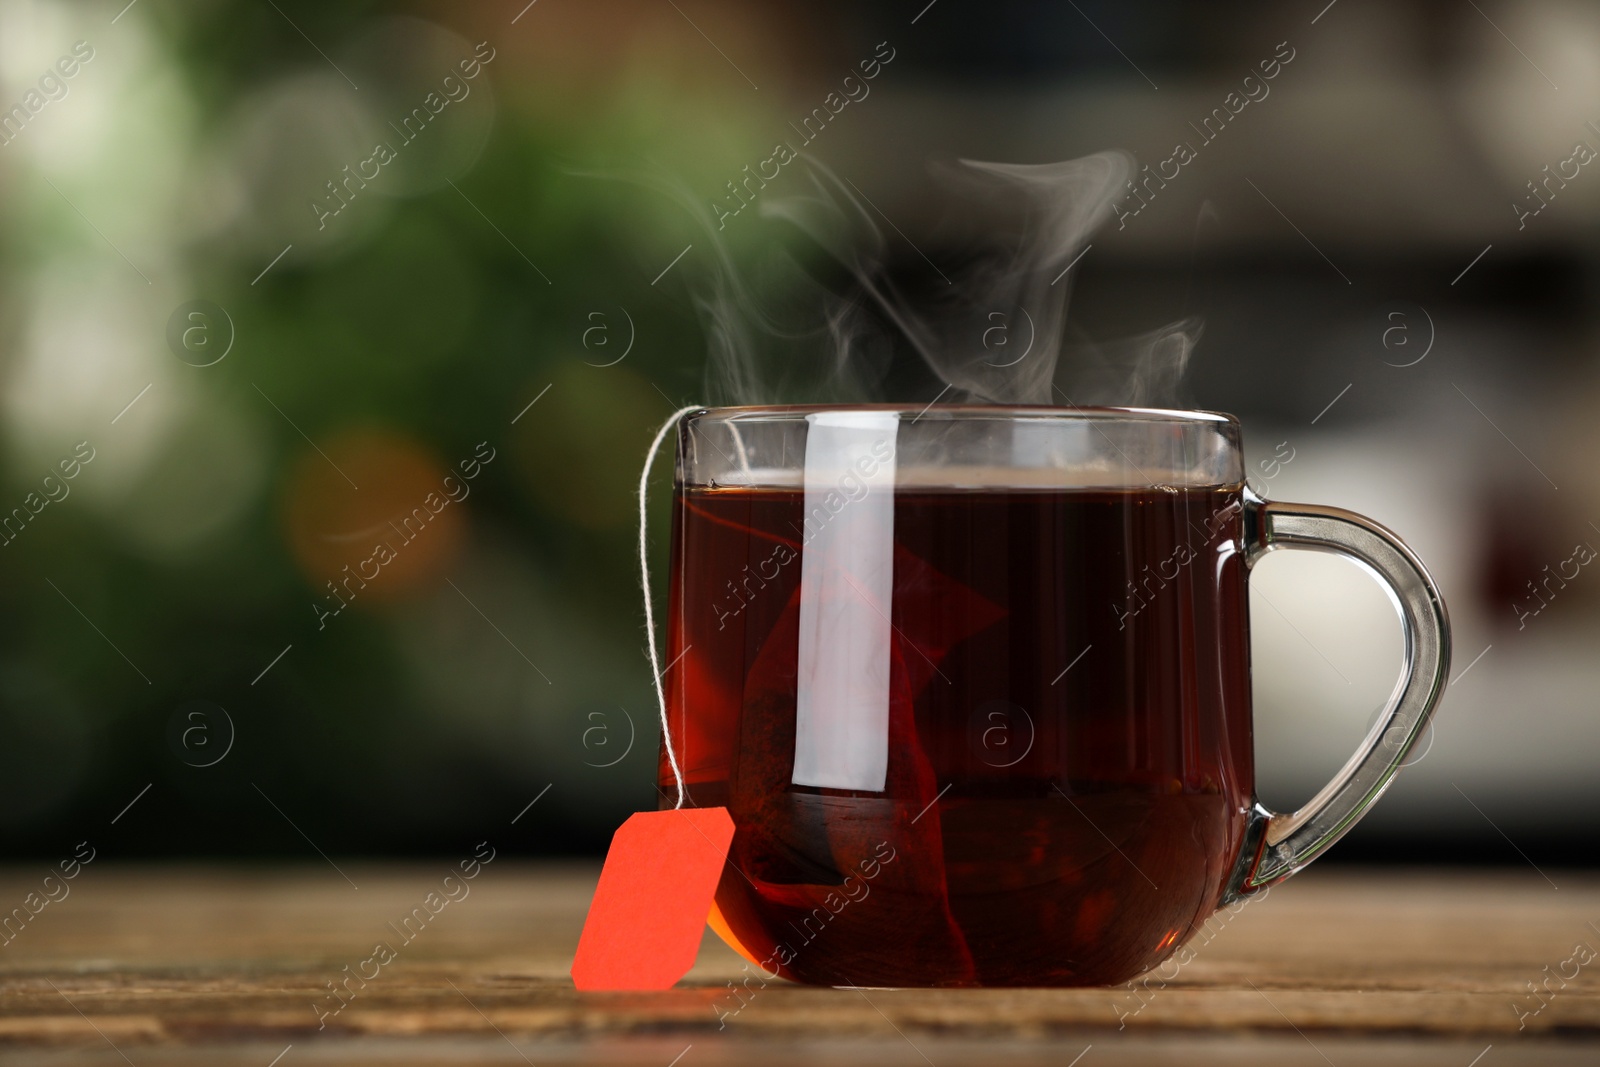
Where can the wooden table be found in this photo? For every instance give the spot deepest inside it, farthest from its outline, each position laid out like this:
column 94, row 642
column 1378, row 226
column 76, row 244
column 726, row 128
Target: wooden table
column 217, row 966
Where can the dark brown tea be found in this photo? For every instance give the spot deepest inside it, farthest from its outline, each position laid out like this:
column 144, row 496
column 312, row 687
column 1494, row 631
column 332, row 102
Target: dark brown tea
column 1067, row 769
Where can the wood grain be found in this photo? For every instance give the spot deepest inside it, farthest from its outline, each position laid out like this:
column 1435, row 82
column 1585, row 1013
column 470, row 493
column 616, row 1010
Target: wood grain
column 190, row 965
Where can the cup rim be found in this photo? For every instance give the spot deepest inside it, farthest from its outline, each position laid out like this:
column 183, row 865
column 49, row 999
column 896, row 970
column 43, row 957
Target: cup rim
column 944, row 411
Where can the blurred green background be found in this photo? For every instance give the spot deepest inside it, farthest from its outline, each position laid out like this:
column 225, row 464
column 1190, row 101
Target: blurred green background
column 501, row 650
column 161, row 622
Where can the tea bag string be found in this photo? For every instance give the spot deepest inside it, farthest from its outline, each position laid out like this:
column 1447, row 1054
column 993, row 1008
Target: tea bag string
column 644, row 580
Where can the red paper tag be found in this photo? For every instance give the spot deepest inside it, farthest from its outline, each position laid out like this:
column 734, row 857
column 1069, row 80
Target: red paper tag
column 649, row 910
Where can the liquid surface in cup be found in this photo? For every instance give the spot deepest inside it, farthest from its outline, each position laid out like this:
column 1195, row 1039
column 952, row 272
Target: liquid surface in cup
column 1069, row 760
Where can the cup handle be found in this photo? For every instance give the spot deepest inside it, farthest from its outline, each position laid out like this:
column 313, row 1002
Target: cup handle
column 1279, row 844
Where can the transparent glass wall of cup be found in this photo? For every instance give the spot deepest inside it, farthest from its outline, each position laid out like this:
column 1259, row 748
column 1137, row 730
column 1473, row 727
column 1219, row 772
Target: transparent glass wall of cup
column 974, row 684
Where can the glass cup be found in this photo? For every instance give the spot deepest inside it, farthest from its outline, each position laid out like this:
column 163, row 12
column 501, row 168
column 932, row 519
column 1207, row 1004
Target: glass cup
column 974, row 684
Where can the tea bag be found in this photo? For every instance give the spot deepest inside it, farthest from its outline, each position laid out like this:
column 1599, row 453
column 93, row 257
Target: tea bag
column 799, row 845
column 649, row 910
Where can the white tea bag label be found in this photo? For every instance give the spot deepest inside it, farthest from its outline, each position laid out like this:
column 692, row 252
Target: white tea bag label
column 846, row 595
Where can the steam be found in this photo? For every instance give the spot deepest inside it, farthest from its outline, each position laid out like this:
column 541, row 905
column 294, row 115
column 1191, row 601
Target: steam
column 1141, row 371
column 836, row 312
